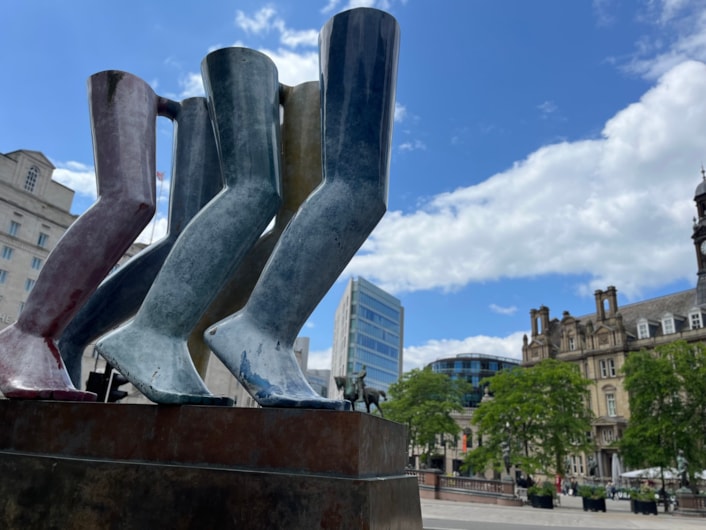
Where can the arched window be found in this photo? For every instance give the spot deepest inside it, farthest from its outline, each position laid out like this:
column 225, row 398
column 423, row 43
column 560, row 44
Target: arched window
column 31, row 179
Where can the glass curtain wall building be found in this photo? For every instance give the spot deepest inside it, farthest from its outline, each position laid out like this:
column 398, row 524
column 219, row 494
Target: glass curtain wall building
column 368, row 331
column 472, row 367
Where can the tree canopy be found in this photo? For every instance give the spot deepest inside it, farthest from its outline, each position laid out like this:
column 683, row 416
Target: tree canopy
column 423, row 400
column 667, row 392
column 537, row 415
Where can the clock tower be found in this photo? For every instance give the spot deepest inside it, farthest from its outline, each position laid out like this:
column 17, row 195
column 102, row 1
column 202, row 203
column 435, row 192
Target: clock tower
column 699, row 237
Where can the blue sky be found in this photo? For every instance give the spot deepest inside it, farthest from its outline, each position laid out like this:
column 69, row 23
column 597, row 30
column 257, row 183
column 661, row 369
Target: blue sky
column 541, row 150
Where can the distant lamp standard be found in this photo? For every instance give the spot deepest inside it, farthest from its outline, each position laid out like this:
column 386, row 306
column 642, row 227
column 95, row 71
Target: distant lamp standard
column 505, row 446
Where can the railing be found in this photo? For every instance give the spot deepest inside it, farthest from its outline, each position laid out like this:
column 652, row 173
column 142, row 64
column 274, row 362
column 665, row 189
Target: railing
column 472, row 484
column 432, row 485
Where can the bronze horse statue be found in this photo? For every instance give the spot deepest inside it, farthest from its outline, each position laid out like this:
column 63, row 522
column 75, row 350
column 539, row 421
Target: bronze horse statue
column 354, row 390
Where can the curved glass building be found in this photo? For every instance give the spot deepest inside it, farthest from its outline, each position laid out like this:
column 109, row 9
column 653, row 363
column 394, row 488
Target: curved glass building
column 472, row 367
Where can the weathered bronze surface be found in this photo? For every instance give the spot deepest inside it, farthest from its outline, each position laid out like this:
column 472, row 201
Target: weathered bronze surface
column 78, row 465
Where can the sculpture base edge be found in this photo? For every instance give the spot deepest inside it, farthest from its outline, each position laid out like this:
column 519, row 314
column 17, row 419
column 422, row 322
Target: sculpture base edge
column 141, row 466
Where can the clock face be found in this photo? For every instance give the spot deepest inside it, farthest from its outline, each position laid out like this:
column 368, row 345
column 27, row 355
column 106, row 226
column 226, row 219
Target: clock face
column 703, row 248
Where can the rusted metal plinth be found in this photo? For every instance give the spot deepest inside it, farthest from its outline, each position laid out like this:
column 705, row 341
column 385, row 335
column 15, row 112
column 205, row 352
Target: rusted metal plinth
column 94, row 465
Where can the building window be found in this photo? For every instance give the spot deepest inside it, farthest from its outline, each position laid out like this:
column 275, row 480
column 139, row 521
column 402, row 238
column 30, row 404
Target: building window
column 7, row 252
column 610, row 404
column 42, row 239
column 3, row 276
column 572, row 344
column 668, row 325
column 608, row 436
column 643, row 329
column 36, row 263
column 31, row 178
column 695, row 320
column 577, row 465
column 20, row 308
column 607, row 368
column 29, row 283
column 14, row 228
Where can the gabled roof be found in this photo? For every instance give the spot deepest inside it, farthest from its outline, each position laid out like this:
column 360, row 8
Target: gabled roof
column 37, row 155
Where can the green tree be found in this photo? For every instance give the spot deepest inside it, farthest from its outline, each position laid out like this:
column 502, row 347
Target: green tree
column 667, row 406
column 423, row 400
column 538, row 415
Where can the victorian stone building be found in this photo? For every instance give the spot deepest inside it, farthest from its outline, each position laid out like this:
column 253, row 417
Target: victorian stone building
column 600, row 342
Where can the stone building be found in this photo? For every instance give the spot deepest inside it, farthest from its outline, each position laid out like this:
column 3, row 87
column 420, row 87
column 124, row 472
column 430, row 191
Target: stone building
column 600, row 342
column 34, row 214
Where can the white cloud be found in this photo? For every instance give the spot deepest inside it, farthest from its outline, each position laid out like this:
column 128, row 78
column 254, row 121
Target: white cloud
column 319, row 360
column 658, row 53
column 77, row 176
column 617, row 208
column 261, row 22
column 500, row 310
column 294, row 68
column 330, row 6
column 154, row 231
column 400, row 112
column 412, row 145
column 546, row 108
column 191, row 86
column 420, row 356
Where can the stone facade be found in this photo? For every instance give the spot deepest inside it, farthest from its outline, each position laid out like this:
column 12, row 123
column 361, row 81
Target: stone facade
column 34, row 214
column 600, row 342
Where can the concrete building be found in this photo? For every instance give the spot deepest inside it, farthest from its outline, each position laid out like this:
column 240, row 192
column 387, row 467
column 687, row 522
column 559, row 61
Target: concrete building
column 34, row 214
column 600, row 342
column 368, row 331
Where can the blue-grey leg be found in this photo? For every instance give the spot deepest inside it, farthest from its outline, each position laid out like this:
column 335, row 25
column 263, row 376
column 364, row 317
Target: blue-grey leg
column 196, row 178
column 301, row 173
column 150, row 351
column 358, row 51
column 123, row 112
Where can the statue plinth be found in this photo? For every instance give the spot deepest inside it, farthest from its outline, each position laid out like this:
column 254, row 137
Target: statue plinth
column 95, row 465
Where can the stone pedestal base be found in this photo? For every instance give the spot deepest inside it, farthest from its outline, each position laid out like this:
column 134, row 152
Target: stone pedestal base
column 94, row 465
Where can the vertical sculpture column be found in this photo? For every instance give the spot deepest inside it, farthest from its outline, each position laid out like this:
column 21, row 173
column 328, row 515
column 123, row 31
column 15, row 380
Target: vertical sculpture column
column 196, row 178
column 358, row 61
column 151, row 350
column 123, row 114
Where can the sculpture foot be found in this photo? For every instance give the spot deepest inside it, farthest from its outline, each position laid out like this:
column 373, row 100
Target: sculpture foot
column 157, row 365
column 31, row 368
column 266, row 367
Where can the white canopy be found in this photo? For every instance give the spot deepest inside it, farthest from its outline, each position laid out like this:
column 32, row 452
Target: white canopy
column 651, row 473
column 654, row 473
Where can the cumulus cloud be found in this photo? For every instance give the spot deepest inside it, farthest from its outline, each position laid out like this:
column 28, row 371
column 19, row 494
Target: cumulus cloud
column 420, row 356
column 78, row 176
column 617, row 208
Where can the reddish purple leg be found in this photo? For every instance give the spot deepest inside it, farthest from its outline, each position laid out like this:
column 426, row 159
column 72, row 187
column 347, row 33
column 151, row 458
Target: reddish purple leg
column 123, row 115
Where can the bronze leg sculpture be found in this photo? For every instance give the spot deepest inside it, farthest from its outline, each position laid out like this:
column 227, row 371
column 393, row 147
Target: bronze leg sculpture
column 151, row 350
column 301, row 173
column 196, row 178
column 123, row 114
column 358, row 71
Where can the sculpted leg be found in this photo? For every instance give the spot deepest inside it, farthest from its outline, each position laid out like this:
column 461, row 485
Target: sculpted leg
column 151, row 350
column 196, row 179
column 123, row 113
column 358, row 72
column 301, row 173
